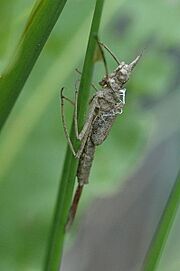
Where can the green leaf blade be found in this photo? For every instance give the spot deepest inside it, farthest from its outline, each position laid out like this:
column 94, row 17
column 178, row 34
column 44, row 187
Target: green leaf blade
column 55, row 246
column 39, row 26
column 160, row 237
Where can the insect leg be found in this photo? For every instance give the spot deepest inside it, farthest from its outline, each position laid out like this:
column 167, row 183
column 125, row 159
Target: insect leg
column 75, row 114
column 65, row 98
column 86, row 130
column 91, row 115
column 78, row 71
column 69, row 100
column 64, row 123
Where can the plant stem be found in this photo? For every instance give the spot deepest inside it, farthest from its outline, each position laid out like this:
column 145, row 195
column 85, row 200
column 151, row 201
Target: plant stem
column 55, row 246
column 39, row 26
column 163, row 229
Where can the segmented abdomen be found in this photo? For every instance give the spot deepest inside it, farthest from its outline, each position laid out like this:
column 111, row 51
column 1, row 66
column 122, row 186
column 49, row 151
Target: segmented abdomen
column 101, row 128
column 85, row 162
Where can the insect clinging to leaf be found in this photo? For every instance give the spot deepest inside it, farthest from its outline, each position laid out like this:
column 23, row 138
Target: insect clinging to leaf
column 104, row 107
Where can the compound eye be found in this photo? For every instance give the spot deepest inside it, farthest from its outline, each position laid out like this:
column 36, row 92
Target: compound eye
column 119, row 68
column 123, row 71
column 123, row 76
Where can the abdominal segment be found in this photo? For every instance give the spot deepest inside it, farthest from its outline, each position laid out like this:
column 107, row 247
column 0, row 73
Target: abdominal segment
column 85, row 162
column 101, row 128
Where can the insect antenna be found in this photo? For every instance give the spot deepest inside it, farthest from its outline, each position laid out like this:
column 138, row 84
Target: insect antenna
column 110, row 52
column 103, row 56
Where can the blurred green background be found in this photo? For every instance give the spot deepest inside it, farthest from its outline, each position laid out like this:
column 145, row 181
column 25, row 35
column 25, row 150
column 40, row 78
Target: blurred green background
column 32, row 143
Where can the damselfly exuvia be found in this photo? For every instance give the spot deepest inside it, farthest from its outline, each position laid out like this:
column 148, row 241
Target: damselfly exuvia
column 104, row 107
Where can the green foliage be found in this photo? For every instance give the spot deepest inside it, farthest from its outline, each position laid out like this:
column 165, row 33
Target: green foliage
column 39, row 26
column 70, row 165
column 164, row 227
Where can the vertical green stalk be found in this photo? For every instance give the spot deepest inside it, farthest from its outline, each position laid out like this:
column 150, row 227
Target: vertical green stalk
column 55, row 246
column 39, row 26
column 163, row 229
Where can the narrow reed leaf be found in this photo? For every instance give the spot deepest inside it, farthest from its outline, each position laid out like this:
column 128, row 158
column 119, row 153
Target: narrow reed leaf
column 39, row 26
column 55, row 246
column 161, row 235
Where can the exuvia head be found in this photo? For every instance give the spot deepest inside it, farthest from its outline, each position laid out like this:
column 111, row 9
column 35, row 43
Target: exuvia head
column 123, row 71
column 121, row 74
